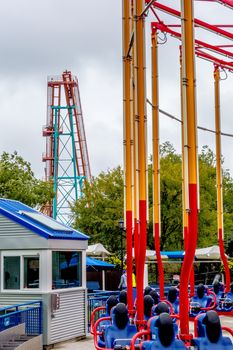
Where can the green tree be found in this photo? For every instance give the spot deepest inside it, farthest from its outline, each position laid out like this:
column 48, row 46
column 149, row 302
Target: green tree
column 17, row 181
column 97, row 213
column 100, row 208
column 170, row 198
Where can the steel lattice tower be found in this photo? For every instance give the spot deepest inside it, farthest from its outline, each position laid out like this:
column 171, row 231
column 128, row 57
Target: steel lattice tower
column 66, row 158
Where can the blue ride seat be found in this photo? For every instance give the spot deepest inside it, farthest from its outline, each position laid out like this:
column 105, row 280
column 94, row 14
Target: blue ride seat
column 121, row 331
column 200, row 300
column 163, row 334
column 110, row 303
column 148, row 304
column 123, row 297
column 155, row 296
column 210, row 333
column 160, row 308
column 172, row 297
column 227, row 302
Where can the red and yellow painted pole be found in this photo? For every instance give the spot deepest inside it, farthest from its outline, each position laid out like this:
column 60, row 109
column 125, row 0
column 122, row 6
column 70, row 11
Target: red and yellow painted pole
column 127, row 145
column 190, row 132
column 219, row 176
column 185, row 199
column 141, row 122
column 155, row 164
column 135, row 167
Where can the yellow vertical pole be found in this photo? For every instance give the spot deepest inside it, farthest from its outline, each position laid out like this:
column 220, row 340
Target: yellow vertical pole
column 141, row 120
column 219, row 176
column 190, row 131
column 127, row 144
column 156, row 163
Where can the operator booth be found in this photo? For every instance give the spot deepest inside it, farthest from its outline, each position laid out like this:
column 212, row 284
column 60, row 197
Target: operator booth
column 44, row 260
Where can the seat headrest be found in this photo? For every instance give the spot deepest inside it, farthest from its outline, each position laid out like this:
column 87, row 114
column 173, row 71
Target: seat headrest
column 147, row 290
column 155, row 296
column 166, row 332
column 111, row 301
column 120, row 315
column 172, row 294
column 213, row 326
column 148, row 303
column 123, row 297
column 200, row 290
column 161, row 307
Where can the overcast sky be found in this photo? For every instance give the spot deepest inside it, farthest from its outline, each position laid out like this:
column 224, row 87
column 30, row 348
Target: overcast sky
column 46, row 37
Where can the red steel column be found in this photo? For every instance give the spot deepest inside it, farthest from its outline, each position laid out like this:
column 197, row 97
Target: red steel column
column 141, row 120
column 185, row 198
column 190, row 130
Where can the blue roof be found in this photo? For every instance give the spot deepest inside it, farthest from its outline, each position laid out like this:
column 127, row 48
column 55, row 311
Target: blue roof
column 15, row 210
column 179, row 254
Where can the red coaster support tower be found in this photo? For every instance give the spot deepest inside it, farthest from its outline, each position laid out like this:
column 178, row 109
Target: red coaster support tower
column 66, row 158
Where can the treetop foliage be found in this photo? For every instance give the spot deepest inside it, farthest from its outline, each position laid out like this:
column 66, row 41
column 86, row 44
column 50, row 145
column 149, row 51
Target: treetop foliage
column 17, row 181
column 98, row 211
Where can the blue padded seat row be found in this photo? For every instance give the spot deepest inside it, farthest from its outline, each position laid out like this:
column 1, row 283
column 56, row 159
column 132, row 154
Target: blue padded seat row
column 210, row 333
column 163, row 334
column 121, row 331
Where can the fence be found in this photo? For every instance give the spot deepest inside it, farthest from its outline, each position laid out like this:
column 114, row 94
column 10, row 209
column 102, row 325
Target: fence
column 28, row 313
column 98, row 299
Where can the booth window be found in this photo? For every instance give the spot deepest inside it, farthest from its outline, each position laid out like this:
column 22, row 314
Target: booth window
column 11, row 272
column 31, row 272
column 67, row 269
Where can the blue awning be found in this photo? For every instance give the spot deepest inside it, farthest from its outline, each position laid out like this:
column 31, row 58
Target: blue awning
column 91, row 264
column 179, row 254
column 98, row 264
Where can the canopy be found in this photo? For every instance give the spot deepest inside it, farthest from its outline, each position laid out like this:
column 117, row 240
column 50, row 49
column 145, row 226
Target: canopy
column 210, row 253
column 98, row 265
column 97, row 249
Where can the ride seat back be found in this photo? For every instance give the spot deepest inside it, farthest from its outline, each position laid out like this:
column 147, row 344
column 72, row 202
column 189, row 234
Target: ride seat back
column 163, row 334
column 210, row 333
column 120, row 332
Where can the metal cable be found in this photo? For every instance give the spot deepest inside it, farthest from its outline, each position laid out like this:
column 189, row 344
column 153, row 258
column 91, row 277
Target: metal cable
column 180, row 121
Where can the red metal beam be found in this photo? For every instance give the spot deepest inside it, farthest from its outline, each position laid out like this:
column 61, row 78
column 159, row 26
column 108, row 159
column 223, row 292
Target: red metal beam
column 201, row 44
column 198, row 22
column 228, row 3
column 216, row 61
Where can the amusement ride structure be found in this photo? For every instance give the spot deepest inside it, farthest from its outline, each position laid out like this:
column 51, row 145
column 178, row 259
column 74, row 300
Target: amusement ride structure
column 155, row 333
column 66, row 159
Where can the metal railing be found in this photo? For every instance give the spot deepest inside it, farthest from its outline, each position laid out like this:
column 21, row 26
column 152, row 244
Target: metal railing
column 28, row 313
column 97, row 299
